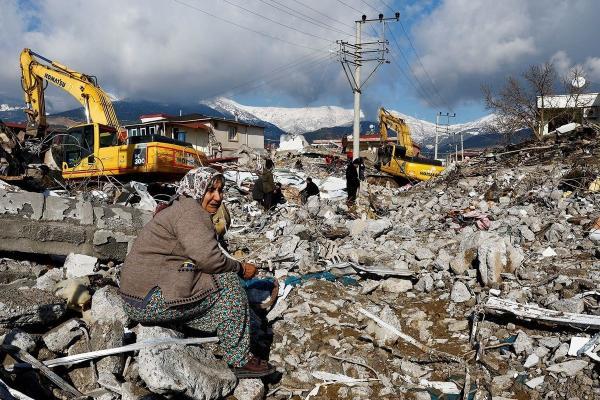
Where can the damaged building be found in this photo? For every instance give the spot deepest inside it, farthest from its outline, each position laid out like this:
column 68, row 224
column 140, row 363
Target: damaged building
column 217, row 137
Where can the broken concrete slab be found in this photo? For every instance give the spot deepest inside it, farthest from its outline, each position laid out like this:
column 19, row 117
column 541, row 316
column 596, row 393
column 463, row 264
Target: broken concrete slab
column 59, row 338
column 108, row 306
column 190, row 371
column 78, row 265
column 29, row 307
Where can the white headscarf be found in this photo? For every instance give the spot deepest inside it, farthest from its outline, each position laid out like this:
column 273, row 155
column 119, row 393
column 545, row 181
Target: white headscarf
column 195, row 183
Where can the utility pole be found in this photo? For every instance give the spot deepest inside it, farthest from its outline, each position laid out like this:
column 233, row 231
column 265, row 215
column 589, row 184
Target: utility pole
column 446, row 128
column 352, row 58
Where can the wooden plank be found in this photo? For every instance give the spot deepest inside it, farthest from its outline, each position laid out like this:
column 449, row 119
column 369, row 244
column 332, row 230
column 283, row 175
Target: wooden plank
column 533, row 312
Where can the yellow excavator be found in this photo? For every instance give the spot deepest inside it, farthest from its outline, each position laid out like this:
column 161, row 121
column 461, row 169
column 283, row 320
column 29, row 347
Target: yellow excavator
column 402, row 159
column 98, row 147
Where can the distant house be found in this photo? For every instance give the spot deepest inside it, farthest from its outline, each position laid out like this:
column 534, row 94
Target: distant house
column 563, row 109
column 217, row 137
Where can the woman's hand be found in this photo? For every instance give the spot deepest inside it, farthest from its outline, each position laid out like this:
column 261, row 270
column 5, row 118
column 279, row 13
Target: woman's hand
column 247, row 270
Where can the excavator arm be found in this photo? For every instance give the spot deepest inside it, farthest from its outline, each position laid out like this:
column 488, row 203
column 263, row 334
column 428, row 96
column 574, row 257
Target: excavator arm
column 397, row 124
column 34, row 77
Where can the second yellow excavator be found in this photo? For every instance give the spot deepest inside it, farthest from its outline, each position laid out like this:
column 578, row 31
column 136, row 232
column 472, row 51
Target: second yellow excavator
column 402, row 159
column 96, row 148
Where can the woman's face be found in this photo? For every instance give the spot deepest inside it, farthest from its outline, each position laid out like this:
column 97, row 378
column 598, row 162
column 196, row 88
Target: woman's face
column 213, row 197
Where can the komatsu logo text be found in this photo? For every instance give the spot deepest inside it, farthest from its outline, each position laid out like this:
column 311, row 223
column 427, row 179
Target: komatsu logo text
column 55, row 80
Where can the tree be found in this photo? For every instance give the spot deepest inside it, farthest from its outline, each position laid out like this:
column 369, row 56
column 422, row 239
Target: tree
column 516, row 105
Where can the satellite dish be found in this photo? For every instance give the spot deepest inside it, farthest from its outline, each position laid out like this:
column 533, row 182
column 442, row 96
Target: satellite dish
column 371, row 126
column 578, row 82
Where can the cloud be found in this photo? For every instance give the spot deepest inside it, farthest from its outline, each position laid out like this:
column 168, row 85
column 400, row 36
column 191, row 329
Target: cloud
column 165, row 50
column 465, row 43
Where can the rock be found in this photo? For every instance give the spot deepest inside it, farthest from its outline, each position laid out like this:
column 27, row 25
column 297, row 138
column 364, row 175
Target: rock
column 107, row 335
column 569, row 368
column 460, row 264
column 460, row 293
column 535, row 382
column 425, row 284
column 569, row 305
column 29, row 307
column 370, row 227
column 526, row 233
column 369, row 286
column 249, row 389
column 502, row 382
column 78, row 265
column 189, row 371
column 83, row 376
column 108, row 306
column 423, row 253
column 492, row 260
column 458, row 326
column 21, row 339
column 550, row 342
column 313, row 205
column 531, row 361
column 396, row 285
column 130, row 391
column 59, row 338
column 523, row 343
column 381, row 334
column 442, row 262
column 50, row 279
column 515, row 258
column 561, row 352
column 413, row 370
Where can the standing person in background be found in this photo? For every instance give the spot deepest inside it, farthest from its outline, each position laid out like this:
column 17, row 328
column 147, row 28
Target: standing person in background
column 268, row 184
column 344, row 144
column 352, row 181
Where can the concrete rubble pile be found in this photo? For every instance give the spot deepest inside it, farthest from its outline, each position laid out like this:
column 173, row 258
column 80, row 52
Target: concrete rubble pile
column 478, row 284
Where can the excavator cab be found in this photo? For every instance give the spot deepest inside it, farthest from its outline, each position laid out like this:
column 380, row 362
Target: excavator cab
column 81, row 143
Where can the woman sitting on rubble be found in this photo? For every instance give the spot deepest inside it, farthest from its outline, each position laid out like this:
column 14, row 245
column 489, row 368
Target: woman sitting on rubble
column 176, row 274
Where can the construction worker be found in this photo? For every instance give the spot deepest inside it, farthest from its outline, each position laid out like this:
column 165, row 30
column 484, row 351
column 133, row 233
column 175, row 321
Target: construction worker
column 176, row 273
column 268, row 184
column 344, row 144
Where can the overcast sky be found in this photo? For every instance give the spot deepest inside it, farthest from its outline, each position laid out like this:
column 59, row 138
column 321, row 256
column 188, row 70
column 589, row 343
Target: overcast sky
column 282, row 52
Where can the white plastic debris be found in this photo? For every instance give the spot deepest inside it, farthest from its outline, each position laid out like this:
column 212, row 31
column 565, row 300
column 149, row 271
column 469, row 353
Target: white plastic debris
column 577, row 342
column 549, row 252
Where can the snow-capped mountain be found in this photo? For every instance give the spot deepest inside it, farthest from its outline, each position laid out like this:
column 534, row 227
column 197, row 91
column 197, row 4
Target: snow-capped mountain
column 6, row 107
column 289, row 119
column 424, row 131
column 311, row 119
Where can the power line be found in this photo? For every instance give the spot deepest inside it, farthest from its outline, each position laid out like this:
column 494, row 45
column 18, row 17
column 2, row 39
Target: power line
column 423, row 67
column 304, row 17
column 387, row 5
column 244, row 27
column 430, row 98
column 321, row 13
column 376, row 10
column 349, row 6
column 276, row 22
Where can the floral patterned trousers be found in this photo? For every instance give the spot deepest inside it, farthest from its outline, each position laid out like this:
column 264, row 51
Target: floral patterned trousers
column 225, row 312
